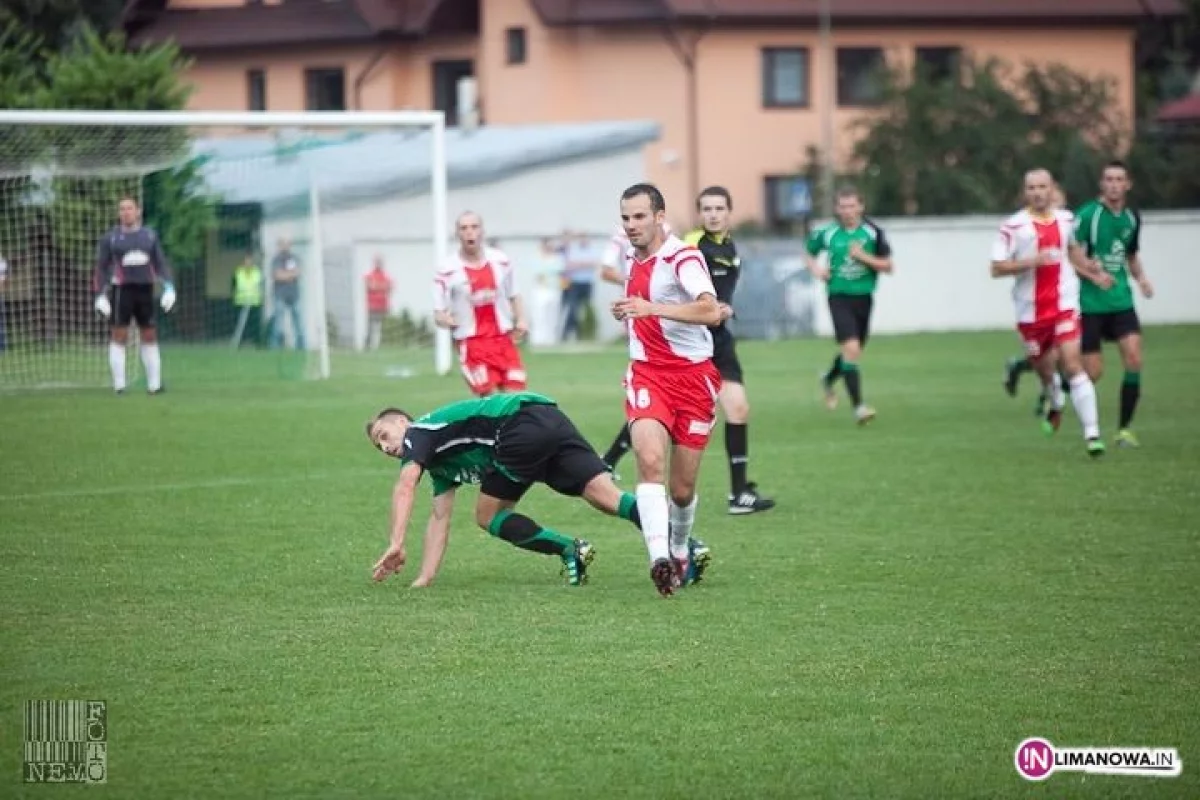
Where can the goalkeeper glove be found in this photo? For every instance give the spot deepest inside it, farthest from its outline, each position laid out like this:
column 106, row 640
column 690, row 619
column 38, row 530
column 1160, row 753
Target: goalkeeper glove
column 168, row 297
column 103, row 306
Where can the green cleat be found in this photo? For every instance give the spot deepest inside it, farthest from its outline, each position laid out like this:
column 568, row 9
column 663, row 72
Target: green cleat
column 576, row 562
column 1095, row 447
column 1051, row 422
column 1125, row 438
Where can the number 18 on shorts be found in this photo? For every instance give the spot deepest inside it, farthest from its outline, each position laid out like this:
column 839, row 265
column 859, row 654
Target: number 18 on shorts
column 683, row 399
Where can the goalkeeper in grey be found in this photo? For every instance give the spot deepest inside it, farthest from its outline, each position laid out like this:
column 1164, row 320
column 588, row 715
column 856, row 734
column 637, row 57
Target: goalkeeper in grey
column 129, row 261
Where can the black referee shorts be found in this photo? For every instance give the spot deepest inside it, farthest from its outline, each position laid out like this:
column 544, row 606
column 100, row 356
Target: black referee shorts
column 725, row 355
column 540, row 444
column 851, row 314
column 133, row 302
column 1112, row 326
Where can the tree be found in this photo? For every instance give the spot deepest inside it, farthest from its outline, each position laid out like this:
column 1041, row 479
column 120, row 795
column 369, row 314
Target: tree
column 941, row 146
column 59, row 22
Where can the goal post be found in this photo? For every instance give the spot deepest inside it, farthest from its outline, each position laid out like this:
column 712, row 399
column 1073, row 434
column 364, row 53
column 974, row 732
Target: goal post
column 221, row 188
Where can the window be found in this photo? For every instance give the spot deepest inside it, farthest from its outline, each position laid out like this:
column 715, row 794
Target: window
column 446, row 75
column 788, row 200
column 325, row 89
column 785, row 77
column 940, row 64
column 514, row 44
column 256, row 90
column 859, row 76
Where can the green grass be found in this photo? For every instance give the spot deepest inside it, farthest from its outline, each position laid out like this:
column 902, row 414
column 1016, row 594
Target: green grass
column 930, row 591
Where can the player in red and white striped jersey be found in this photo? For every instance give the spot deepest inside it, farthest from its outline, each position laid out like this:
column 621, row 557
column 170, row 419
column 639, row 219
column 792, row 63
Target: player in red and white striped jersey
column 1037, row 247
column 475, row 297
column 672, row 384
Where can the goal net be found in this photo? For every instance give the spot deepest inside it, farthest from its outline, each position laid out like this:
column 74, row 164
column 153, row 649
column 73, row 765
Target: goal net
column 256, row 213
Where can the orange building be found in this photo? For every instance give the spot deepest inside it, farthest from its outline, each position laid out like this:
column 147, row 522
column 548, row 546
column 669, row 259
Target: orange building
column 741, row 88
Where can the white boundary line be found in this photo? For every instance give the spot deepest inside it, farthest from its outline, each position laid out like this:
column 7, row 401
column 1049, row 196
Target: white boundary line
column 217, row 483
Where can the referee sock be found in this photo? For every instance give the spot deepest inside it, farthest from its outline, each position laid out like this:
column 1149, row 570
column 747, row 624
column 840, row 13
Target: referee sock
column 153, row 364
column 521, row 531
column 835, row 370
column 627, row 509
column 1131, row 392
column 737, row 447
column 618, row 448
column 116, row 364
column 853, row 382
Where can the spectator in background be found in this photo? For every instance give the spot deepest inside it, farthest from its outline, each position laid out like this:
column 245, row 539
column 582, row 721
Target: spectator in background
column 581, row 261
column 379, row 295
column 544, row 310
column 248, row 282
column 285, row 277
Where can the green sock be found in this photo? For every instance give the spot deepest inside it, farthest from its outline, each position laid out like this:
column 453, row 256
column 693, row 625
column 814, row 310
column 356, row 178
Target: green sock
column 520, row 531
column 627, row 509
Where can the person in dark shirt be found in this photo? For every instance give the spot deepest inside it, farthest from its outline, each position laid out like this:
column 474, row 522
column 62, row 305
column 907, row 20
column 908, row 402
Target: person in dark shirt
column 129, row 260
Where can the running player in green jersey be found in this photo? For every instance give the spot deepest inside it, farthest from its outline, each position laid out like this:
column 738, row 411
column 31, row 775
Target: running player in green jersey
column 505, row 443
column 857, row 251
column 1110, row 232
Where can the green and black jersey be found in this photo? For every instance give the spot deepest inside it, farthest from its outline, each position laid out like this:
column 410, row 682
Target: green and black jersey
column 846, row 275
column 456, row 444
column 1110, row 237
column 721, row 255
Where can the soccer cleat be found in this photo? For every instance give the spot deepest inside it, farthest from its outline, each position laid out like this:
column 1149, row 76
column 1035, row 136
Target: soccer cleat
column 1095, row 447
column 749, row 501
column 576, row 562
column 662, row 573
column 864, row 414
column 1052, row 421
column 1012, row 376
column 1126, row 438
column 1041, row 406
column 831, row 398
column 699, row 559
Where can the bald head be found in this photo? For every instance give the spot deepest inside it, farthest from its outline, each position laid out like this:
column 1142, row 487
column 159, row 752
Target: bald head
column 1039, row 190
column 469, row 229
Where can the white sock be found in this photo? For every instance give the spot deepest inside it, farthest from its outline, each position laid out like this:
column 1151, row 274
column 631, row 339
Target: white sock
column 682, row 520
column 652, row 506
column 1083, row 397
column 1058, row 398
column 116, row 364
column 153, row 364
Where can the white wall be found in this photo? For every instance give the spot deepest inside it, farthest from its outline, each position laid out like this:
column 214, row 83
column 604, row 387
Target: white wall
column 941, row 281
column 518, row 210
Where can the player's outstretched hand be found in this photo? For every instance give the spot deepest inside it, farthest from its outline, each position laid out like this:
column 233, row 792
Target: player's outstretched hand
column 631, row 308
column 1147, row 288
column 392, row 561
column 103, row 306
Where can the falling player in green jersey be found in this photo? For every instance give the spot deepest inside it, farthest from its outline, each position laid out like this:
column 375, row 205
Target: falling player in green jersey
column 1110, row 232
column 857, row 252
column 505, row 443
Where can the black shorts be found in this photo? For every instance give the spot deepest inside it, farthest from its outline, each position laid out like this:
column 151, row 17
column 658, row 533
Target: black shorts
column 539, row 444
column 1112, row 326
column 134, row 301
column 725, row 355
column 851, row 315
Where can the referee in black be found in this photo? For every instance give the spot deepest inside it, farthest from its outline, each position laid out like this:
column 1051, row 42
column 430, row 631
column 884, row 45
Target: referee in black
column 715, row 205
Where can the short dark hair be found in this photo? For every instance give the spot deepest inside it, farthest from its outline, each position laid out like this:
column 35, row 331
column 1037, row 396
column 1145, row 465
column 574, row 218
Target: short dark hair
column 391, row 411
column 849, row 190
column 715, row 191
column 657, row 201
column 1116, row 163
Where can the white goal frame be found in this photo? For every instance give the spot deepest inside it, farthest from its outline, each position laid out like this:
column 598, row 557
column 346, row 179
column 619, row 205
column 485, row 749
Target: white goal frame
column 434, row 121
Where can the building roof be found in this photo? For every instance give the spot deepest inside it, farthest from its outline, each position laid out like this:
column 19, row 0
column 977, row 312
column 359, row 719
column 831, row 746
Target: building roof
column 352, row 169
column 1185, row 109
column 849, row 12
column 296, row 22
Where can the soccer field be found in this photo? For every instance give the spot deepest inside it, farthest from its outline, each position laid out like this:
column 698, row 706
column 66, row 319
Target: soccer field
column 930, row 591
